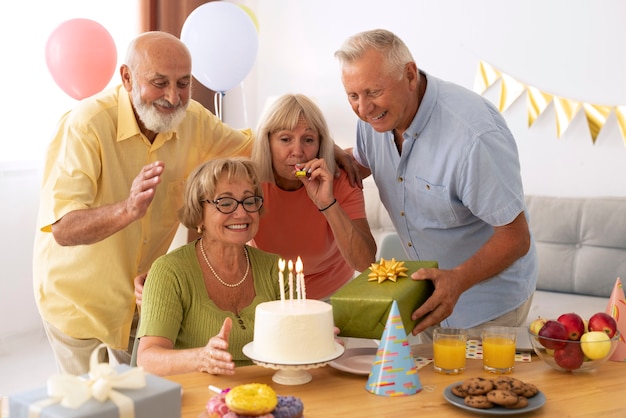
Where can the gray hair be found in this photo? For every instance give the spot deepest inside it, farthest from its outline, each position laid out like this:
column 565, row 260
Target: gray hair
column 395, row 51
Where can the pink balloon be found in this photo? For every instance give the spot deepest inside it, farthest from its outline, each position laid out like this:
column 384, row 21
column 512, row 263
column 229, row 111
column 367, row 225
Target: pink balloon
column 81, row 56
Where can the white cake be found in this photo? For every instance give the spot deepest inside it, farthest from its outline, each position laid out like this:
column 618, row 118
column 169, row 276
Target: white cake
column 293, row 332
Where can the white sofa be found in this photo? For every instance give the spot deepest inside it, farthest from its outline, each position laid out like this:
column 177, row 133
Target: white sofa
column 581, row 246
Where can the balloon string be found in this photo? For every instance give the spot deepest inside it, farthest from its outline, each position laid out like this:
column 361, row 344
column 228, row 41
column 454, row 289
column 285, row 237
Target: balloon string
column 217, row 103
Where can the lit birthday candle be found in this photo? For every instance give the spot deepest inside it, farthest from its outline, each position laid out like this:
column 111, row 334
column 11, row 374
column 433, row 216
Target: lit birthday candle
column 281, row 279
column 300, row 278
column 290, row 267
column 297, row 283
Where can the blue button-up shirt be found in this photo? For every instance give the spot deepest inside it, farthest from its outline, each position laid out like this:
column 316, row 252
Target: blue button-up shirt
column 458, row 177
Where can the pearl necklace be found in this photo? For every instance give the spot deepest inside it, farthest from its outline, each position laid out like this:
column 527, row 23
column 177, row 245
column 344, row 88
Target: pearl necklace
column 245, row 251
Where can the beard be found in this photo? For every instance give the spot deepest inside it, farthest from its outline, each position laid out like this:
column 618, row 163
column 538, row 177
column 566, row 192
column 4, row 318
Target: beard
column 150, row 116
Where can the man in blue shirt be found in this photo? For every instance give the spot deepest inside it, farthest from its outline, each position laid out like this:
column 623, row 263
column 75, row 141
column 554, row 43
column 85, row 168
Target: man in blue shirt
column 447, row 171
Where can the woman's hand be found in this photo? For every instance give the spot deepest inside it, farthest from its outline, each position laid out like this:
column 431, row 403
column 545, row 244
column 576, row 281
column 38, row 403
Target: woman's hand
column 337, row 339
column 318, row 182
column 214, row 358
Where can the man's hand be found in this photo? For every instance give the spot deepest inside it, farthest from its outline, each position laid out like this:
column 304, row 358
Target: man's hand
column 143, row 189
column 345, row 160
column 508, row 243
column 439, row 306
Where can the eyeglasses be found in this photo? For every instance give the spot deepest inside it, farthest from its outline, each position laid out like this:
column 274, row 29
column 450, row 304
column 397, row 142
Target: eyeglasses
column 228, row 205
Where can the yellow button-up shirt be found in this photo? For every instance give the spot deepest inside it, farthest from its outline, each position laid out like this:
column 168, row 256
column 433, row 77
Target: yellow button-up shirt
column 87, row 291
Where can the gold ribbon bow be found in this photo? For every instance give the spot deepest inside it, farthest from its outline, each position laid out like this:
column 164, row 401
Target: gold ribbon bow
column 387, row 270
column 73, row 391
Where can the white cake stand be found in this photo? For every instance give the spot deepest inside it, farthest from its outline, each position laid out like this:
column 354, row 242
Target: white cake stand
column 292, row 374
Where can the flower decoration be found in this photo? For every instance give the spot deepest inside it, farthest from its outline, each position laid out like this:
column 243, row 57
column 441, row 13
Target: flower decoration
column 387, row 270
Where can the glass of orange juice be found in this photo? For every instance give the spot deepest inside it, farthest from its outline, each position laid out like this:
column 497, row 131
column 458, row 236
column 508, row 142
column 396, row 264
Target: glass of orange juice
column 449, row 350
column 498, row 349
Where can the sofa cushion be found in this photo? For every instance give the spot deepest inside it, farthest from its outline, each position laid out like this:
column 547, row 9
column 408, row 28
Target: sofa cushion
column 581, row 243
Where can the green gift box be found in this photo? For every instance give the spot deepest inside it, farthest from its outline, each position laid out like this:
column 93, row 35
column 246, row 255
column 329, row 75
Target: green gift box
column 361, row 307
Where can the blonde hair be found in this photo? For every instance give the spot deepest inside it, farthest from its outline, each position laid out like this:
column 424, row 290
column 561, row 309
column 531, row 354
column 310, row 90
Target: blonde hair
column 284, row 115
column 203, row 180
column 395, row 52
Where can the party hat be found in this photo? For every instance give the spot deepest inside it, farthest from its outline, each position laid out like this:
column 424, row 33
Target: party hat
column 617, row 309
column 394, row 372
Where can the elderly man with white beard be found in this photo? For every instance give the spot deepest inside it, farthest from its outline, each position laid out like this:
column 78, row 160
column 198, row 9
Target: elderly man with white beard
column 112, row 184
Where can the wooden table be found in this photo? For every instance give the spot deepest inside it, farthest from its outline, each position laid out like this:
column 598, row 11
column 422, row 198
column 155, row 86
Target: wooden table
column 332, row 393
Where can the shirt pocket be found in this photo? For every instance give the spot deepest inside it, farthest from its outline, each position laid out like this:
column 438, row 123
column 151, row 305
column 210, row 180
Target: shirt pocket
column 433, row 205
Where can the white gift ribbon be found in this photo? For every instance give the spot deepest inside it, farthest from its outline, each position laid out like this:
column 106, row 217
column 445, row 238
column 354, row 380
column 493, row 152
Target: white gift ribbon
column 73, row 391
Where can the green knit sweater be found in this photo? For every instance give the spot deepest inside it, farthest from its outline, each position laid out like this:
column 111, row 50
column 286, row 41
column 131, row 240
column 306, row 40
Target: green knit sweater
column 175, row 304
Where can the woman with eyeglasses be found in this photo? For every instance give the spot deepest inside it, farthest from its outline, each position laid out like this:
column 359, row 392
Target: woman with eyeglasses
column 199, row 301
column 311, row 210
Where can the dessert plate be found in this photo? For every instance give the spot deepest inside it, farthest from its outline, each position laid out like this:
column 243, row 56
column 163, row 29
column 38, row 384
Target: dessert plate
column 356, row 360
column 535, row 402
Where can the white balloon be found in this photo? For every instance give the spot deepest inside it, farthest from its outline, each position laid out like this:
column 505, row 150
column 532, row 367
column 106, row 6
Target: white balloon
column 223, row 43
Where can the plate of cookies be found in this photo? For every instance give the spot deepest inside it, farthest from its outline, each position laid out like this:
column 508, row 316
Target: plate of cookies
column 502, row 395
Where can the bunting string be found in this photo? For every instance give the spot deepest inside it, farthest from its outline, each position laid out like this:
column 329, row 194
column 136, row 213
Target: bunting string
column 537, row 101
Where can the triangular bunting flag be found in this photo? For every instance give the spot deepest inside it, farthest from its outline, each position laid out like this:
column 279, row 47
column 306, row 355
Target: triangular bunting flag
column 485, row 77
column 596, row 118
column 538, row 101
column 394, row 372
column 511, row 90
column 565, row 110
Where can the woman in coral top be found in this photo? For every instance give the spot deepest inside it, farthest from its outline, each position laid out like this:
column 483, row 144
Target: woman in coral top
column 311, row 210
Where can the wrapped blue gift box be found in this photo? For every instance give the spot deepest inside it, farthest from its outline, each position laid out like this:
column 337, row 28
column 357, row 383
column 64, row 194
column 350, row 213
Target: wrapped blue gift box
column 158, row 398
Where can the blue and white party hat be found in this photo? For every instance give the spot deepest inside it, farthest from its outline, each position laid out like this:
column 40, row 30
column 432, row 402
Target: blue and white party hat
column 394, row 372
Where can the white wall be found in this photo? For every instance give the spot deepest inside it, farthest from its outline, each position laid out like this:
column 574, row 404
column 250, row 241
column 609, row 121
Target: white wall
column 18, row 207
column 572, row 48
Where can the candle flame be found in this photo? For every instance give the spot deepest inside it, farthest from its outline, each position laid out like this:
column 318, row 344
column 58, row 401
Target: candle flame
column 281, row 265
column 290, row 265
column 299, row 265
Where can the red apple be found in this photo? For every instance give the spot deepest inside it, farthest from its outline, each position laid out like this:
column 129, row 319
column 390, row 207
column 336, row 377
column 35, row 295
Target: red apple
column 570, row 357
column 556, row 330
column 603, row 322
column 574, row 325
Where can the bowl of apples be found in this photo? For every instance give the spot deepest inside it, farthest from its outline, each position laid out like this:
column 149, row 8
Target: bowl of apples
column 571, row 344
